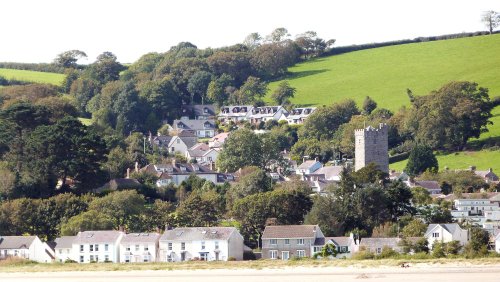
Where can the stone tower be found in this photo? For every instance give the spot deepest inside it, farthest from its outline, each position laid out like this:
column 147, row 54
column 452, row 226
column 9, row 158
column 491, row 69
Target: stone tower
column 371, row 146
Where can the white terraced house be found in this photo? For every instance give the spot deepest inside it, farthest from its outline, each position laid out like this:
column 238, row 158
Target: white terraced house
column 139, row 247
column 204, row 243
column 63, row 247
column 27, row 247
column 97, row 246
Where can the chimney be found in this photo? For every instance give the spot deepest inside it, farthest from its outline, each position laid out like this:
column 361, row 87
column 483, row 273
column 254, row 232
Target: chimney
column 136, row 166
column 128, row 172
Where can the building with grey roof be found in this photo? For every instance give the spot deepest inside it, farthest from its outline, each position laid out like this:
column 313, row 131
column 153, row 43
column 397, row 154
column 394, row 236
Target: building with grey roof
column 446, row 232
column 63, row 247
column 234, row 113
column 176, row 172
column 203, row 128
column 97, row 246
column 204, row 243
column 376, row 245
column 299, row 115
column 287, row 241
column 27, row 247
column 198, row 111
column 140, row 247
column 267, row 113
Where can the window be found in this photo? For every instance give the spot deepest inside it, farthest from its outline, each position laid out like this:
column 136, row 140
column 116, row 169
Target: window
column 317, row 249
column 127, row 249
column 81, row 259
column 96, row 247
column 273, row 254
column 91, row 257
column 343, row 249
column 136, row 248
column 301, row 253
column 379, row 250
column 106, row 258
column 178, row 141
column 202, row 245
column 285, row 255
column 204, row 256
column 169, row 246
column 146, row 258
column 300, row 241
column 273, row 242
column 183, row 246
column 97, row 258
column 287, row 241
column 106, row 247
column 91, row 247
column 216, row 244
column 60, row 251
column 81, row 248
column 127, row 258
column 146, row 248
column 435, row 235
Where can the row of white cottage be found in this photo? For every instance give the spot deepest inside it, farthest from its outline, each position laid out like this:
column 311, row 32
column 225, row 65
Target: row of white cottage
column 179, row 244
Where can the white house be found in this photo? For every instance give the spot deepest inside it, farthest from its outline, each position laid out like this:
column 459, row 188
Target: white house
column 299, row 115
column 204, row 243
column 27, row 247
column 481, row 209
column 497, row 243
column 234, row 113
column 63, row 247
column 203, row 128
column 218, row 140
column 175, row 144
column 202, row 153
column 98, row 246
column 308, row 167
column 139, row 247
column 176, row 172
column 446, row 233
column 267, row 113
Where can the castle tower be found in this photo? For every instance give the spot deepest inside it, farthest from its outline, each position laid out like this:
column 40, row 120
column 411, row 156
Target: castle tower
column 371, row 146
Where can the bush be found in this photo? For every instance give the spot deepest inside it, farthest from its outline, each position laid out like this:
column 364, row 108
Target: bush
column 249, row 256
column 231, row 259
column 387, row 252
column 363, row 254
column 438, row 250
column 69, row 261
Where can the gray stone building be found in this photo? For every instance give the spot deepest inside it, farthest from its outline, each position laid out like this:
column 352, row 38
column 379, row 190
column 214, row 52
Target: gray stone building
column 371, row 146
column 287, row 241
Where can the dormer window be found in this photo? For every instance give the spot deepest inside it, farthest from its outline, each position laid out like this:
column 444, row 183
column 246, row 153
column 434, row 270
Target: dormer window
column 207, row 125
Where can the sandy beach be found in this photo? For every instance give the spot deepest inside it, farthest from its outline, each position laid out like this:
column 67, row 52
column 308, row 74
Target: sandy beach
column 415, row 273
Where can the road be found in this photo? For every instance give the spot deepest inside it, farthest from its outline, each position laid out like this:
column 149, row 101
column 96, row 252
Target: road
column 441, row 274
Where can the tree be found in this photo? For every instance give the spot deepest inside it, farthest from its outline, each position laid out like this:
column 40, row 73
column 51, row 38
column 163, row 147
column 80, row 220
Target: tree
column 69, row 58
column 438, row 250
column 283, row 93
column 251, row 183
column 123, row 207
column 7, row 182
column 252, row 40
column 328, row 250
column 420, row 196
column 216, row 90
column 199, row 209
column 118, row 162
column 491, row 20
column 324, row 122
column 90, row 220
column 198, row 84
column 106, row 68
column 250, row 92
column 421, row 159
column 67, row 149
column 278, row 35
column 416, row 228
column 449, row 117
column 242, row 148
column 369, row 105
column 272, row 60
column 478, row 243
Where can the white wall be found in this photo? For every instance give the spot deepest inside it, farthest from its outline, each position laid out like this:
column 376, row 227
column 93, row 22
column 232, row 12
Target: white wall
column 138, row 256
column 62, row 254
column 193, row 249
column 113, row 252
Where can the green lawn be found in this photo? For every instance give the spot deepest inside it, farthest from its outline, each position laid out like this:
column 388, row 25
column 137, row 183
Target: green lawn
column 33, row 76
column 385, row 73
column 483, row 160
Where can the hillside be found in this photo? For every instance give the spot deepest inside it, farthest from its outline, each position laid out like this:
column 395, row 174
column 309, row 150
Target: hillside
column 33, row 76
column 385, row 73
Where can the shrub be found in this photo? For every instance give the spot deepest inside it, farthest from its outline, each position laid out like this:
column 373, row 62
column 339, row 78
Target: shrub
column 438, row 250
column 249, row 256
column 387, row 252
column 231, row 259
column 363, row 254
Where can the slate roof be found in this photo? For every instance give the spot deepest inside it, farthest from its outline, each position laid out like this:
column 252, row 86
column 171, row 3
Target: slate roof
column 301, row 112
column 307, row 164
column 289, row 231
column 450, row 227
column 239, row 111
column 16, row 242
column 339, row 241
column 105, row 236
column 194, row 124
column 329, row 171
column 198, row 233
column 198, row 110
column 380, row 242
column 140, row 238
column 199, row 150
column 64, row 242
column 268, row 111
column 171, row 169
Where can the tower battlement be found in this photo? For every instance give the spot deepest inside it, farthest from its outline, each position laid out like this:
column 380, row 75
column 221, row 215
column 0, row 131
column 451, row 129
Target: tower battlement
column 371, row 146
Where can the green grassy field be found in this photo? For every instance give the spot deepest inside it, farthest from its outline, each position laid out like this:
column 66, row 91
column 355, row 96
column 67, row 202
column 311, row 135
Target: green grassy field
column 385, row 73
column 33, row 76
